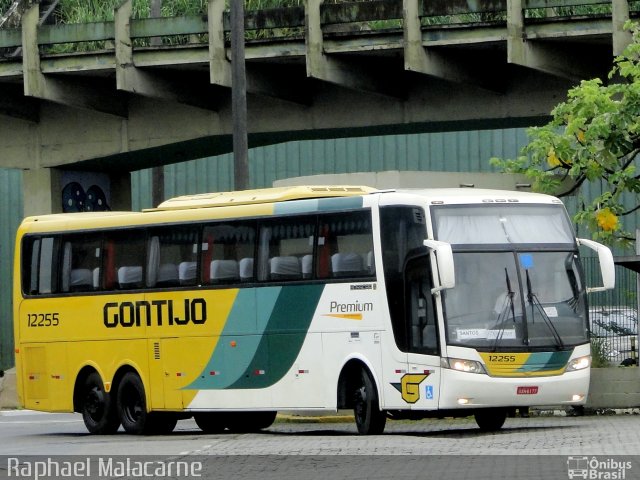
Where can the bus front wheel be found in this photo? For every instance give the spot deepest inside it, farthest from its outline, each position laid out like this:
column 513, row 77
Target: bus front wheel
column 98, row 411
column 370, row 420
column 132, row 404
column 491, row 419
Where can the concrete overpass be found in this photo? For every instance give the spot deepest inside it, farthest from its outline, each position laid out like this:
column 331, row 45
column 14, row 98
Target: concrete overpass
column 318, row 71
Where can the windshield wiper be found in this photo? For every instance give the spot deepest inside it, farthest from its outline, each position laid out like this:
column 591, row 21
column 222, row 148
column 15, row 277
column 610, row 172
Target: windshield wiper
column 532, row 298
column 507, row 307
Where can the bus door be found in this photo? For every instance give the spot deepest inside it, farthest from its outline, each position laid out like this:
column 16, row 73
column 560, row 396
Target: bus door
column 421, row 384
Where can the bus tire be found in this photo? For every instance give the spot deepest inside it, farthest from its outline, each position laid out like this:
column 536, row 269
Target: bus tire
column 262, row 420
column 210, row 422
column 491, row 419
column 132, row 405
column 98, row 410
column 246, row 422
column 370, row 420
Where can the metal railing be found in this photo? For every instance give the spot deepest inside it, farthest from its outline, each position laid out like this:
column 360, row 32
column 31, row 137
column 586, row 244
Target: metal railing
column 337, row 19
column 613, row 314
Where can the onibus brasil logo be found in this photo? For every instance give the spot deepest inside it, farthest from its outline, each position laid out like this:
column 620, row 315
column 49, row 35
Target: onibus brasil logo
column 597, row 468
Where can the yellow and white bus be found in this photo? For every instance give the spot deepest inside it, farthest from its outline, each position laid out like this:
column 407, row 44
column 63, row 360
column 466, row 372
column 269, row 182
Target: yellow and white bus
column 230, row 307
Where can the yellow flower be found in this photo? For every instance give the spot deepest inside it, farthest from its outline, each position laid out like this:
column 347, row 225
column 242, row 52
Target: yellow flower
column 607, row 220
column 552, row 158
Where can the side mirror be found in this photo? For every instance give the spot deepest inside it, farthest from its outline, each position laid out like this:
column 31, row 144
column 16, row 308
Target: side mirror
column 444, row 261
column 607, row 267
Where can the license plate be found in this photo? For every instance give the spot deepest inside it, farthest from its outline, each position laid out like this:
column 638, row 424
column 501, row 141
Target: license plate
column 527, row 390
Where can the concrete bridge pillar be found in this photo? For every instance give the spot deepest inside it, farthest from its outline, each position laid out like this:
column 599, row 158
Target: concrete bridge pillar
column 54, row 190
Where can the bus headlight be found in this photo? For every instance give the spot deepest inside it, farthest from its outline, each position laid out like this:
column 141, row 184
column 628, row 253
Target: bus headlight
column 579, row 363
column 470, row 366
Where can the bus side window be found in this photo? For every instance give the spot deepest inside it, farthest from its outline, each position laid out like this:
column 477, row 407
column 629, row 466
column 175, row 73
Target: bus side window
column 48, row 268
column 81, row 256
column 40, row 265
column 402, row 229
column 228, row 245
column 420, row 310
column 30, row 260
column 284, row 244
column 124, row 264
column 172, row 254
column 345, row 247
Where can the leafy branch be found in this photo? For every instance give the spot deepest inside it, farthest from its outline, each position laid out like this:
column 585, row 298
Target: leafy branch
column 593, row 136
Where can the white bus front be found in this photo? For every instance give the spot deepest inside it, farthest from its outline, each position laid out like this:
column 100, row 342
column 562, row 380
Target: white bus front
column 513, row 331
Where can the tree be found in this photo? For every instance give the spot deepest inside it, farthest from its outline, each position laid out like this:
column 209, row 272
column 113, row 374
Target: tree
column 593, row 136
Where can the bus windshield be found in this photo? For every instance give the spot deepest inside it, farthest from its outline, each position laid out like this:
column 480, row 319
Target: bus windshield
column 517, row 278
column 516, row 300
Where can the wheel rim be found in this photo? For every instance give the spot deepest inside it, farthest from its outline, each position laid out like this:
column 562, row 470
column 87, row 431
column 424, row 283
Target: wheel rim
column 360, row 408
column 132, row 405
column 94, row 403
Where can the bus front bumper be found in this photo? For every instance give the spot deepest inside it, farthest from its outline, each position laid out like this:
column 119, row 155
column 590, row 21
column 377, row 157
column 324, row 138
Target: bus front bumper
column 470, row 390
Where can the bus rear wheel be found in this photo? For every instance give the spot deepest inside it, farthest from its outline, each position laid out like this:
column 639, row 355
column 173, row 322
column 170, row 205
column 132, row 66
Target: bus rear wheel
column 132, row 405
column 491, row 419
column 370, row 420
column 97, row 408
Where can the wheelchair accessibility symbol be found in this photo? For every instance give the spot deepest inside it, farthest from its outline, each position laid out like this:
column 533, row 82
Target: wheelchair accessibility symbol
column 429, row 392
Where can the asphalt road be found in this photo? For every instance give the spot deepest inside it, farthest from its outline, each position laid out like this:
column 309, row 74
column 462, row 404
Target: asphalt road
column 537, row 447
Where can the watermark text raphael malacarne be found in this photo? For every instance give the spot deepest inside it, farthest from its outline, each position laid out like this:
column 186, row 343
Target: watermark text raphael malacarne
column 102, row 467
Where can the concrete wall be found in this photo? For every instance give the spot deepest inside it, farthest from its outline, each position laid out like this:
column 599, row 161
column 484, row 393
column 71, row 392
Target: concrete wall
column 8, row 395
column 615, row 387
column 397, row 179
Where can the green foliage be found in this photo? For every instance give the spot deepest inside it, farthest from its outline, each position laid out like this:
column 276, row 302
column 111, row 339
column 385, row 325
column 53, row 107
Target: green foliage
column 593, row 136
column 4, row 6
column 598, row 353
column 85, row 11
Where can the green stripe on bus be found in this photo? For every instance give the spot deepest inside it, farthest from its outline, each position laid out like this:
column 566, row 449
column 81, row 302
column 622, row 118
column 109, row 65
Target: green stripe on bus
column 250, row 357
column 545, row 361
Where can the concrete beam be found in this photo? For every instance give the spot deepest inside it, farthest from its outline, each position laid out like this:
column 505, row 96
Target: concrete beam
column 219, row 64
column 619, row 16
column 132, row 79
column 339, row 71
column 75, row 94
column 270, row 81
column 14, row 104
column 159, row 132
column 415, row 179
column 286, row 83
column 553, row 59
column 430, row 61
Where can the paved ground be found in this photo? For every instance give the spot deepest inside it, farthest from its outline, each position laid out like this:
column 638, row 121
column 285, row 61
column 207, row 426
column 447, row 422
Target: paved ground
column 25, row 432
column 533, row 448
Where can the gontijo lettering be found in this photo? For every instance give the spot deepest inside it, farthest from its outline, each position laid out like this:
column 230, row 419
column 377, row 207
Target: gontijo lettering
column 156, row 312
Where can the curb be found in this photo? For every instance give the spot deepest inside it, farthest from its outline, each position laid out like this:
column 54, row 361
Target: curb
column 292, row 418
